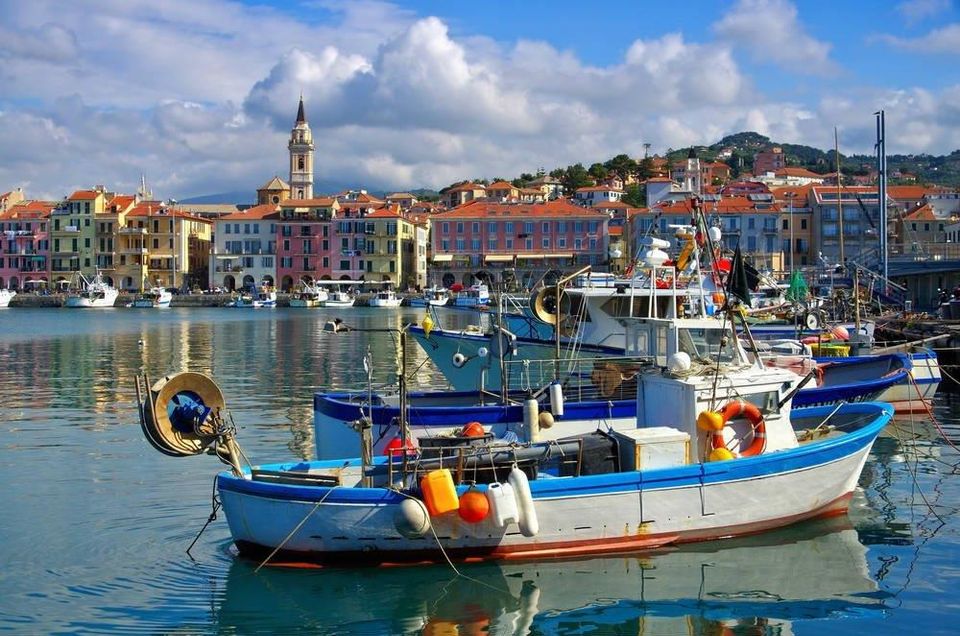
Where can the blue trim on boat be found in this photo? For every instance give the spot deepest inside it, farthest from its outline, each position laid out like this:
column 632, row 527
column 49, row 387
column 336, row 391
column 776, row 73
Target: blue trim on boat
column 802, row 458
column 584, row 350
column 339, row 407
column 848, row 392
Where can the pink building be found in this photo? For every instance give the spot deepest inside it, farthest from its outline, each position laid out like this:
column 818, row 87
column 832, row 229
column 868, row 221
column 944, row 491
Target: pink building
column 506, row 242
column 24, row 245
column 305, row 241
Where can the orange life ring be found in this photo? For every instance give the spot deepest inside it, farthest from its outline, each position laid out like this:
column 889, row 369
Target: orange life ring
column 742, row 408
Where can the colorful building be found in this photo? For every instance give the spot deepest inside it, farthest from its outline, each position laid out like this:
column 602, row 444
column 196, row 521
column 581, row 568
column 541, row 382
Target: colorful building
column 305, row 240
column 515, row 243
column 245, row 248
column 24, row 245
column 73, row 235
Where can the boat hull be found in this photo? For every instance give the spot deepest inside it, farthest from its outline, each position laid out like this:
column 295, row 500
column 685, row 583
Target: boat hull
column 82, row 302
column 615, row 512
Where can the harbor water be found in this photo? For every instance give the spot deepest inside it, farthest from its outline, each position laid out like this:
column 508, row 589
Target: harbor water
column 94, row 523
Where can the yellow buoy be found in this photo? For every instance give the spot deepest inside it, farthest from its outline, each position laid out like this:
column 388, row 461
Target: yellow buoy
column 427, row 324
column 720, row 454
column 710, row 421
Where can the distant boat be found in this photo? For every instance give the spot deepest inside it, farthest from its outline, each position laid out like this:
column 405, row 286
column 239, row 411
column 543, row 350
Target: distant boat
column 472, row 296
column 309, row 295
column 339, row 298
column 92, row 293
column 5, row 296
column 155, row 297
column 432, row 297
column 385, row 298
column 264, row 297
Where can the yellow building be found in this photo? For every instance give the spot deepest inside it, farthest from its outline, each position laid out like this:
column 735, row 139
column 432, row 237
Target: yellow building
column 73, row 234
column 391, row 252
column 107, row 242
column 165, row 246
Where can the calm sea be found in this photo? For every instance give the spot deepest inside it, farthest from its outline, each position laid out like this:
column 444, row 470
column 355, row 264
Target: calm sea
column 94, row 523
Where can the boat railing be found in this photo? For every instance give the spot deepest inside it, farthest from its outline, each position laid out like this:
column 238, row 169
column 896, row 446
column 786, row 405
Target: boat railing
column 581, row 379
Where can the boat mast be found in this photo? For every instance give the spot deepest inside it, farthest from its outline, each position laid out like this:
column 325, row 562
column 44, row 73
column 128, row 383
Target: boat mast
column 836, row 152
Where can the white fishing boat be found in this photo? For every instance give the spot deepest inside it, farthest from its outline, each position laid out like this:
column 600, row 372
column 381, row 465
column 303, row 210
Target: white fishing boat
column 432, row 297
column 713, row 450
column 263, row 297
column 309, row 295
column 6, row 295
column 478, row 294
column 339, row 298
column 385, row 298
column 91, row 293
column 155, row 297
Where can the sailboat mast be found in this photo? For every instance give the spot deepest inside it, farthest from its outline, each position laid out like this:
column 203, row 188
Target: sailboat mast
column 836, row 152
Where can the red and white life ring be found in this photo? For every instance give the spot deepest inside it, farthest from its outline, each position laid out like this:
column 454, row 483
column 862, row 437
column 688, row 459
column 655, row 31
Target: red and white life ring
column 741, row 408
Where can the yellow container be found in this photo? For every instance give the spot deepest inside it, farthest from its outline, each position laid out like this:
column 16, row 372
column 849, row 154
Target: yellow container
column 439, row 493
column 830, row 350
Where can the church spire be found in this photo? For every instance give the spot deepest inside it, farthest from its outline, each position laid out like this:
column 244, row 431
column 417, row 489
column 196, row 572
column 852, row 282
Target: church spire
column 301, row 118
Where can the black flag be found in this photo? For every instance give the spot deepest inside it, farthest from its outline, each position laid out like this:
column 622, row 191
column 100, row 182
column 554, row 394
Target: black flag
column 737, row 282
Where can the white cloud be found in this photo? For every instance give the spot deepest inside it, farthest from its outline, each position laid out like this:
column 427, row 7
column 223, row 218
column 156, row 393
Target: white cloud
column 201, row 96
column 771, row 31
column 917, row 10
column 943, row 40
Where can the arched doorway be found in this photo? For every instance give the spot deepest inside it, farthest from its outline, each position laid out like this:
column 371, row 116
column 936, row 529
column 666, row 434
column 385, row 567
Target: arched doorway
column 14, row 282
column 248, row 281
column 268, row 281
column 448, row 280
column 1, row 282
column 345, row 277
column 287, row 283
column 326, row 277
column 229, row 283
column 108, row 280
column 128, row 283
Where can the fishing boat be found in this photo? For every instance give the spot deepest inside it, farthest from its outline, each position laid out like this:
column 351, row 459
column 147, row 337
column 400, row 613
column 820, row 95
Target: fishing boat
column 432, row 297
column 265, row 296
column 593, row 389
column 812, row 571
column 711, row 455
column 309, row 295
column 339, row 298
column 155, row 297
column 385, row 298
column 91, row 293
column 472, row 296
column 6, row 295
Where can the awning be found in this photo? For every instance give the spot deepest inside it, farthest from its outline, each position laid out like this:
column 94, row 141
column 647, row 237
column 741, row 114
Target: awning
column 442, row 258
column 559, row 255
column 498, row 258
column 530, row 255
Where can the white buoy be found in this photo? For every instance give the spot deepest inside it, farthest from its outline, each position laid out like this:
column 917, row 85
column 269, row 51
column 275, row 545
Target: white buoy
column 412, row 519
column 679, row 362
column 715, row 234
column 528, row 522
column 556, row 399
column 459, row 360
column 531, row 420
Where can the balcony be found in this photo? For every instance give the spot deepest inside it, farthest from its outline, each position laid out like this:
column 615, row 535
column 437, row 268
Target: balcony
column 133, row 231
column 142, row 251
column 70, row 229
column 228, row 270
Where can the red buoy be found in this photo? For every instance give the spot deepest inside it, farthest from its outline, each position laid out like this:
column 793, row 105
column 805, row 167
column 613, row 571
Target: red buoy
column 395, row 447
column 474, row 506
column 473, row 429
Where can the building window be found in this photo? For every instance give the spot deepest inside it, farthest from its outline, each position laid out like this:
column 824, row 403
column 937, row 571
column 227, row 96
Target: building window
column 491, row 227
column 546, row 242
column 445, row 227
column 803, row 224
column 246, row 228
column 491, row 244
column 528, row 227
column 476, row 227
column 562, row 242
column 445, row 245
column 461, row 244
column 509, row 243
column 545, row 227
column 460, row 227
column 508, row 227
column 475, row 245
column 528, row 244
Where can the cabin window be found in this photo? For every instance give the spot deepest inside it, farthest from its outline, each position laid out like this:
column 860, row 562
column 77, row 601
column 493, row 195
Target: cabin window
column 706, row 344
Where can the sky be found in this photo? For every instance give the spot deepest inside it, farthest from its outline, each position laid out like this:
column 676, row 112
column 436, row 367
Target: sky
column 199, row 96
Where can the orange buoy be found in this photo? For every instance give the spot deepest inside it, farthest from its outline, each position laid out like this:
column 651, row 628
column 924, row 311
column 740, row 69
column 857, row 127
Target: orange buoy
column 474, row 506
column 473, row 429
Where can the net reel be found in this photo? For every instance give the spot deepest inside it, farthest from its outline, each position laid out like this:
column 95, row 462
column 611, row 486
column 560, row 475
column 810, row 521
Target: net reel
column 185, row 414
column 548, row 307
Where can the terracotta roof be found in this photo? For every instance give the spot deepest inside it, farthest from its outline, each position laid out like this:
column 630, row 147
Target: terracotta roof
column 257, row 212
column 798, row 172
column 401, row 195
column 485, row 209
column 921, row 213
column 606, row 205
column 156, row 208
column 800, row 192
column 323, row 202
column 31, row 210
column 599, row 189
column 500, row 185
column 468, row 186
column 726, row 205
column 385, row 213
column 909, row 192
column 83, row 195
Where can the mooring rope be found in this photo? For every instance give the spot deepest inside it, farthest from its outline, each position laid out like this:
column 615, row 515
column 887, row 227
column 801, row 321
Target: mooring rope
column 294, row 531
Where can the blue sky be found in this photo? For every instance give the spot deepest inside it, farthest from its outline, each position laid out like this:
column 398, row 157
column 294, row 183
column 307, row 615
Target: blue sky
column 199, row 95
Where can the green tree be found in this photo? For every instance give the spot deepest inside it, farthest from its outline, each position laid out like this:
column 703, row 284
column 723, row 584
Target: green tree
column 575, row 176
column 598, row 172
column 645, row 169
column 622, row 166
column 635, row 195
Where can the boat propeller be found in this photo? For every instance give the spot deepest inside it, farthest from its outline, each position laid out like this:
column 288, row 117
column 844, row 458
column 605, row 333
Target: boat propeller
column 185, row 414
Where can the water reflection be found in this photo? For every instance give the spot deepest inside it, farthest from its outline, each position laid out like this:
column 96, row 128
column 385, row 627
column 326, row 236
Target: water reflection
column 815, row 570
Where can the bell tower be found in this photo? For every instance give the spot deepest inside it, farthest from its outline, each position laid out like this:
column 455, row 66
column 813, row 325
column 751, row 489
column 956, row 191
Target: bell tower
column 301, row 157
